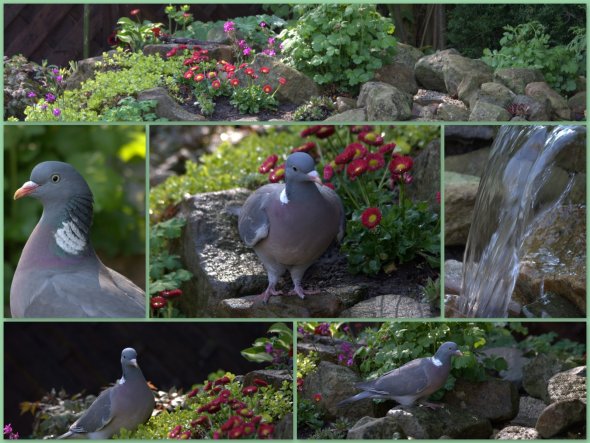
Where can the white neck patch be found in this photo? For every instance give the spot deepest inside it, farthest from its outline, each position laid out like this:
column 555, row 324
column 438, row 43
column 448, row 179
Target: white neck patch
column 122, row 380
column 69, row 238
column 283, row 197
column 436, row 361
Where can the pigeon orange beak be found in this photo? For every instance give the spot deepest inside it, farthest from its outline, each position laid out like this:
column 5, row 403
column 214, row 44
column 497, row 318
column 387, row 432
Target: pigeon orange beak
column 315, row 177
column 25, row 189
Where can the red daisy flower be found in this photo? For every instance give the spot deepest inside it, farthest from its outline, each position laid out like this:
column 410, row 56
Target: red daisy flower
column 236, row 432
column 202, row 420
column 171, row 293
column 371, row 138
column 371, row 217
column 268, row 164
column 328, row 172
column 212, row 74
column 267, row 89
column 249, row 390
column 249, row 71
column 193, row 393
column 134, row 11
column 234, row 82
column 325, row 131
column 306, row 147
column 359, row 150
column 249, row 428
column 264, row 70
column 400, row 164
column 345, row 156
column 158, row 302
column 188, row 74
column 389, row 147
column 265, row 430
column 317, row 397
column 216, row 84
column 356, row 129
column 356, row 168
column 282, row 81
column 156, row 31
column 199, row 78
column 309, row 131
column 172, row 52
column 277, row 174
column 375, row 161
column 260, row 382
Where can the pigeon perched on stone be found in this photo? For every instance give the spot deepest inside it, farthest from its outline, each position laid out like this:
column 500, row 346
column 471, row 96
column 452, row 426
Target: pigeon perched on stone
column 125, row 405
column 291, row 225
column 412, row 382
column 59, row 273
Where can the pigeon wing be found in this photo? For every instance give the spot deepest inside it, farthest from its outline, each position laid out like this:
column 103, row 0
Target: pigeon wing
column 332, row 197
column 253, row 222
column 97, row 416
column 409, row 379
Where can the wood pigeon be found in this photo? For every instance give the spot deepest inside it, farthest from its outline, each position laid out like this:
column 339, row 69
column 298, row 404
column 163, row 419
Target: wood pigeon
column 291, row 225
column 59, row 273
column 125, row 405
column 411, row 382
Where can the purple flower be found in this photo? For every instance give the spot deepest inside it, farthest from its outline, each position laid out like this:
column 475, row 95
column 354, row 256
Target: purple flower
column 44, row 107
column 229, row 26
column 242, row 43
column 271, row 40
column 50, row 97
column 59, row 78
column 262, row 24
column 31, row 94
column 269, row 52
column 300, row 329
column 247, row 50
column 55, row 71
column 57, row 112
column 8, row 429
column 268, row 348
column 13, row 436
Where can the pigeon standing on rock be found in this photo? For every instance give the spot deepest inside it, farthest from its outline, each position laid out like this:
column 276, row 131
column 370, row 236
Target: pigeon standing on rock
column 126, row 405
column 291, row 225
column 59, row 273
column 411, row 382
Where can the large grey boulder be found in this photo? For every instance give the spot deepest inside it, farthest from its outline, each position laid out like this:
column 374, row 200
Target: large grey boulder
column 384, row 102
column 542, row 92
column 471, row 163
column 369, row 428
column 426, row 174
column 460, row 193
column 274, row 377
column 464, row 73
column 166, row 107
column 538, row 372
column 517, row 433
column 483, row 111
column 398, row 75
column 429, row 70
column 389, row 306
column 407, row 55
column 516, row 79
column 493, row 93
column 530, row 108
column 529, row 411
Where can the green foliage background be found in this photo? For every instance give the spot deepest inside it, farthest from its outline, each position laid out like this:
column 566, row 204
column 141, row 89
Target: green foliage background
column 472, row 28
column 111, row 159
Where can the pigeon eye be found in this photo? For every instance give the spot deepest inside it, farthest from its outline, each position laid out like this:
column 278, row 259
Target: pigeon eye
column 55, row 178
column 294, row 169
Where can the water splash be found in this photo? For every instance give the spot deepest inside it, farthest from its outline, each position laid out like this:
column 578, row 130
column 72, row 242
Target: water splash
column 516, row 189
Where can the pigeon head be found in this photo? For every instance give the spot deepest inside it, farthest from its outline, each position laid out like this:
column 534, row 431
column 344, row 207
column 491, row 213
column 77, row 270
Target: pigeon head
column 54, row 181
column 446, row 351
column 300, row 167
column 129, row 358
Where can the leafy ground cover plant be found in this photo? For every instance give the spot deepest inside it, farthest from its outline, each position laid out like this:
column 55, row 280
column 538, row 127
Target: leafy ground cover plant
column 338, row 44
column 528, row 45
column 276, row 350
column 135, row 33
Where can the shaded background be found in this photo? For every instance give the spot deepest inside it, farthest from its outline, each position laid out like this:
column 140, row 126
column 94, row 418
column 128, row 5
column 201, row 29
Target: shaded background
column 111, row 159
column 86, row 356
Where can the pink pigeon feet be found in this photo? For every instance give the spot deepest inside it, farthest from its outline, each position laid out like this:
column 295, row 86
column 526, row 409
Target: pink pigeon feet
column 301, row 293
column 267, row 293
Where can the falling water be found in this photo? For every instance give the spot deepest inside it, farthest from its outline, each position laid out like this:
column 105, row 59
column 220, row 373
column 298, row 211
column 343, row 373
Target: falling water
column 516, row 189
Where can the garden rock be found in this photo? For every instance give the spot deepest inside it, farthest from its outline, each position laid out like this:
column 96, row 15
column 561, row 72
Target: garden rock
column 284, row 428
column 460, row 193
column 452, row 111
column 425, row 97
column 353, row 115
column 166, row 107
column 483, row 111
column 549, row 259
column 493, row 93
column 458, row 69
column 325, row 352
column 216, row 50
column 274, row 377
column 398, row 75
column 531, row 109
column 516, row 79
column 384, row 102
column 385, row 428
column 407, row 55
column 577, row 105
column 528, row 412
column 299, row 87
column 559, row 416
column 336, row 383
column 426, row 173
column 515, row 360
column 495, row 400
column 542, row 92
column 536, row 375
column 85, row 71
column 568, row 385
column 470, row 163
column 429, row 70
column 345, row 104
column 517, row 433
column 470, row 85
column 390, row 306
column 451, row 422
